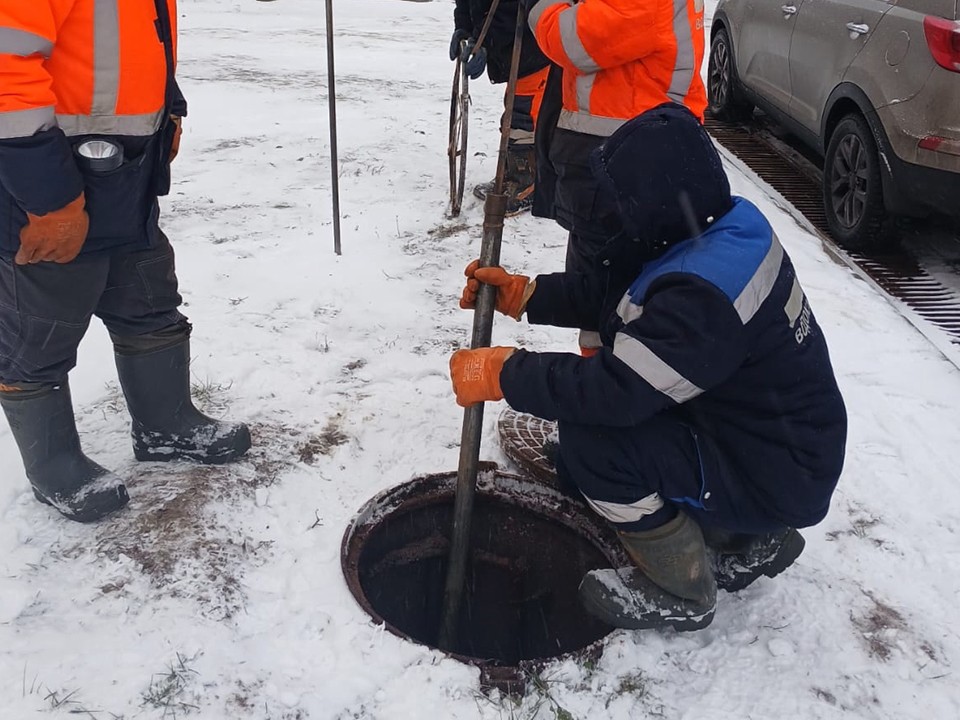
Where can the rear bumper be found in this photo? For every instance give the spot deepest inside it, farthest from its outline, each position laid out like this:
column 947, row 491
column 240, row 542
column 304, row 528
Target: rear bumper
column 921, row 190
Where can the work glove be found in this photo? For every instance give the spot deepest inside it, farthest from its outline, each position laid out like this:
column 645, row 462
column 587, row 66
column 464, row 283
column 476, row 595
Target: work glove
column 56, row 237
column 458, row 37
column 476, row 374
column 474, row 65
column 513, row 291
column 177, row 132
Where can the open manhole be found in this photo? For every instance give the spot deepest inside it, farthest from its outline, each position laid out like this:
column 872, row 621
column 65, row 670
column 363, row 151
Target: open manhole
column 530, row 547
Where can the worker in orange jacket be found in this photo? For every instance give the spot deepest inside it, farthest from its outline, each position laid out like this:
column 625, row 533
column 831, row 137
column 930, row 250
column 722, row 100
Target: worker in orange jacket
column 89, row 123
column 613, row 60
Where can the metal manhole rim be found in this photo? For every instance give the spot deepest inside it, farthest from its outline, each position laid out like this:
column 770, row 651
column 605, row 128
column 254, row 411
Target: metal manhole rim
column 411, row 495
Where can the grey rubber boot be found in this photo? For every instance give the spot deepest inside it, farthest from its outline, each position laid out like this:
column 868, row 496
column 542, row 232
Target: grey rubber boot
column 166, row 425
column 739, row 560
column 42, row 421
column 518, row 180
column 671, row 583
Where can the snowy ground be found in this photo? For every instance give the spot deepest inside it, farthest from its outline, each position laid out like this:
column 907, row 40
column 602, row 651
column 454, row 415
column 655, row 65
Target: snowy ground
column 218, row 593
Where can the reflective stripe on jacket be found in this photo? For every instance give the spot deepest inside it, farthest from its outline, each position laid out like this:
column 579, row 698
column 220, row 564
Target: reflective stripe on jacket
column 86, row 66
column 622, row 57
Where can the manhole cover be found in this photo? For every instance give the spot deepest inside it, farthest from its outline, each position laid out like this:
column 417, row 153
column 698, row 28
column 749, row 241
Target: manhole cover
column 530, row 547
column 522, row 438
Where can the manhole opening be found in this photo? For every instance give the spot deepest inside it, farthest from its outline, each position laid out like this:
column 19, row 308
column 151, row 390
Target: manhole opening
column 530, row 548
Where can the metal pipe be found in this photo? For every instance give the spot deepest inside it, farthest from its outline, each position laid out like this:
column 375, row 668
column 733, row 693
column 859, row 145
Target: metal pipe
column 332, row 104
column 494, row 211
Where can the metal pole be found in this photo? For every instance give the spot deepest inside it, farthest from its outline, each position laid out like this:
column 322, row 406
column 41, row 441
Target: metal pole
column 332, row 103
column 494, row 211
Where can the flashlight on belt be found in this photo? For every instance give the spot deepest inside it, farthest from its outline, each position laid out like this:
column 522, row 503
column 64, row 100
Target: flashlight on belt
column 100, row 156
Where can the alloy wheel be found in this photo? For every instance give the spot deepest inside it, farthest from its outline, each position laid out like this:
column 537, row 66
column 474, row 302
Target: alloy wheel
column 719, row 78
column 849, row 174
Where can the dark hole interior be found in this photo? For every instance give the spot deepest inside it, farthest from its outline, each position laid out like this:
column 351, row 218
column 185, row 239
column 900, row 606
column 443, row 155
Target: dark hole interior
column 520, row 601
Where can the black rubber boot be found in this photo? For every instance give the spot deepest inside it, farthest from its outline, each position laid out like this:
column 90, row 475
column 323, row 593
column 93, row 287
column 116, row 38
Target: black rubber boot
column 672, row 583
column 739, row 560
column 42, row 421
column 166, row 425
column 517, row 180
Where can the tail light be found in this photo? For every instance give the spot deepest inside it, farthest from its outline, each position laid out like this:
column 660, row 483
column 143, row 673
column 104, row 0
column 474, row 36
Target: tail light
column 943, row 39
column 935, row 143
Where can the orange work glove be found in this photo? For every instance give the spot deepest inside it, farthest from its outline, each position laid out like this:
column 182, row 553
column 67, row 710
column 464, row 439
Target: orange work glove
column 177, row 132
column 513, row 291
column 54, row 237
column 476, row 374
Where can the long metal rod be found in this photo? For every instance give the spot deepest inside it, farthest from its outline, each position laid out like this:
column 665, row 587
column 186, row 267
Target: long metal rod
column 485, row 28
column 332, row 104
column 494, row 211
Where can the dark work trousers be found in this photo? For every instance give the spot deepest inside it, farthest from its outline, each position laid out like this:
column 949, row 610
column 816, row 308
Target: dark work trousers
column 45, row 308
column 616, row 468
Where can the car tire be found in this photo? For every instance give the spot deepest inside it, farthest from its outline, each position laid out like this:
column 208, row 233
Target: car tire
column 723, row 88
column 853, row 188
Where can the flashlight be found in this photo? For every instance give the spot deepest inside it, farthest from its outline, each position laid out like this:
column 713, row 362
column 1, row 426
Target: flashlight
column 100, row 156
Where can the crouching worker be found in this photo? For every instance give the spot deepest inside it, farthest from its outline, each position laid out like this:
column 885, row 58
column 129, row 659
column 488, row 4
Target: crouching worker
column 710, row 412
column 89, row 123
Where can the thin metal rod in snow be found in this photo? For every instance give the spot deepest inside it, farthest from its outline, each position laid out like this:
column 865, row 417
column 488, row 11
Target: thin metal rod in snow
column 494, row 211
column 332, row 103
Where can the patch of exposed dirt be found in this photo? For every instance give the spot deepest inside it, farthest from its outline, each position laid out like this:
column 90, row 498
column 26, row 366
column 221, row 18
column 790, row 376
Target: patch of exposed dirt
column 861, row 527
column 438, row 346
column 825, row 695
column 352, row 367
column 879, row 628
column 175, row 535
column 446, row 230
column 324, row 443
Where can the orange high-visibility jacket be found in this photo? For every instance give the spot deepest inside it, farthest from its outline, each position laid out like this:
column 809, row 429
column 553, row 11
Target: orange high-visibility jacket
column 87, row 66
column 622, row 57
column 71, row 69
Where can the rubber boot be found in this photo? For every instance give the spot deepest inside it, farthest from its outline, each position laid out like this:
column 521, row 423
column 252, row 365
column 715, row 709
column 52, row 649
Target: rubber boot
column 739, row 560
column 42, row 421
column 518, row 179
column 671, row 582
column 166, row 425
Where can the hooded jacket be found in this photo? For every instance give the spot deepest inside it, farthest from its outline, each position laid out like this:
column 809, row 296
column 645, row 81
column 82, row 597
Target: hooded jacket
column 718, row 328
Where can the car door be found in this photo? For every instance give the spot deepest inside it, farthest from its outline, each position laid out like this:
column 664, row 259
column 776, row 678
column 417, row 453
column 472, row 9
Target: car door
column 763, row 47
column 827, row 37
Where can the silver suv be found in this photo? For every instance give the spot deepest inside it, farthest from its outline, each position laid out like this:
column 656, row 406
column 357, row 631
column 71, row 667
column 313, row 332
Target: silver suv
column 872, row 86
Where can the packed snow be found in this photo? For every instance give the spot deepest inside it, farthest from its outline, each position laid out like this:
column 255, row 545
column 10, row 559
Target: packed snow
column 218, row 592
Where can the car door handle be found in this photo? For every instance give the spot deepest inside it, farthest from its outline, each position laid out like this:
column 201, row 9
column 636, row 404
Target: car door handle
column 857, row 29
column 789, row 9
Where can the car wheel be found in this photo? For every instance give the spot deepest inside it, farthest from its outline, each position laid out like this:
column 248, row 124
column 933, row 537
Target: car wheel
column 723, row 90
column 852, row 187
